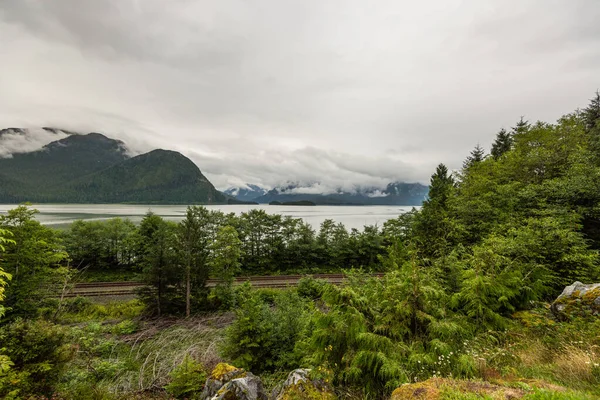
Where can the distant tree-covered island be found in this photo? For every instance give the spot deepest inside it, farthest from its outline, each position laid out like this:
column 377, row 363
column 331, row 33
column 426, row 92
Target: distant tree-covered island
column 292, row 203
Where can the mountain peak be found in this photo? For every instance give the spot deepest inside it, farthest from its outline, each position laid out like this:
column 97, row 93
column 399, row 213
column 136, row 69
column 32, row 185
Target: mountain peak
column 94, row 168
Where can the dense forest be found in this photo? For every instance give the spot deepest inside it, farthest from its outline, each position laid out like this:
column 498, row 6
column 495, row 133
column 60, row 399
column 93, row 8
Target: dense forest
column 462, row 311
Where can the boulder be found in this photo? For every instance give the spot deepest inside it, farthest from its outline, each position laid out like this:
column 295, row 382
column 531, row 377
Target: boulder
column 578, row 299
column 434, row 389
column 300, row 386
column 227, row 382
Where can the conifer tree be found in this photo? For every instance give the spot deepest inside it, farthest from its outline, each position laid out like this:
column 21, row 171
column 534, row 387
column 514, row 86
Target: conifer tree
column 502, row 144
column 224, row 262
column 433, row 227
column 591, row 116
column 477, row 155
column 441, row 184
column 156, row 237
column 522, row 127
column 592, row 113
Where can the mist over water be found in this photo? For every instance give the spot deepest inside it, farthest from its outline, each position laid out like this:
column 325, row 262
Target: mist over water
column 351, row 216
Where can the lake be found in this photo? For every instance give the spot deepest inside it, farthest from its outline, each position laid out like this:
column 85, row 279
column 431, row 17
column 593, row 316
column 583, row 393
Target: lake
column 350, row 216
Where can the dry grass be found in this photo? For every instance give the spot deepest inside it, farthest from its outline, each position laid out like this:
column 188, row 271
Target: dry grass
column 575, row 364
column 161, row 346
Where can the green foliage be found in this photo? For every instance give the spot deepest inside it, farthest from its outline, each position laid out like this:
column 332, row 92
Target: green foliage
column 159, row 265
column 187, row 379
column 502, row 144
column 311, row 288
column 102, row 244
column 225, row 253
column 477, row 155
column 34, row 258
column 4, row 276
column 34, row 354
column 553, row 395
column 263, row 335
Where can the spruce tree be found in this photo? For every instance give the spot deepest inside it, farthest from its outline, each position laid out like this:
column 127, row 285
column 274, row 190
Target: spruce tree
column 477, row 155
column 591, row 113
column 522, row 127
column 441, row 184
column 591, row 116
column 502, row 144
column 158, row 262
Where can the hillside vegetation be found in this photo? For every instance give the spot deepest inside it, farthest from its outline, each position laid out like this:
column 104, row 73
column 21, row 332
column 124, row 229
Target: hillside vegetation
column 95, row 169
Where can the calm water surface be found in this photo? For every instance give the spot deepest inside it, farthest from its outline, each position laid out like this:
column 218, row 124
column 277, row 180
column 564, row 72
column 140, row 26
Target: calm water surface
column 350, row 216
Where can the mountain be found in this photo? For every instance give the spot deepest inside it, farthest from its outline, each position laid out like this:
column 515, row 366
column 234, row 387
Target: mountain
column 396, row 193
column 93, row 168
column 246, row 193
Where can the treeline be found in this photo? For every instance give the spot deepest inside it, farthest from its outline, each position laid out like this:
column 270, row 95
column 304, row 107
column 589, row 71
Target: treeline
column 269, row 243
column 176, row 259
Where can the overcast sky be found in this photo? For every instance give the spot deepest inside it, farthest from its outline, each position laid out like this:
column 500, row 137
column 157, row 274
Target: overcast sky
column 267, row 91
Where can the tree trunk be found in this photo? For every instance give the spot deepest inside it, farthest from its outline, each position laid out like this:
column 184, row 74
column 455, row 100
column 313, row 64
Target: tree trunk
column 188, row 291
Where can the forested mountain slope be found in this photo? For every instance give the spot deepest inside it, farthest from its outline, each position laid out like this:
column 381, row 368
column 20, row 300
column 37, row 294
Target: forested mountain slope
column 93, row 168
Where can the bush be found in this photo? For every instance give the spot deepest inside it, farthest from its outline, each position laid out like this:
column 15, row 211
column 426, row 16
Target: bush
column 311, row 288
column 187, row 379
column 263, row 337
column 37, row 353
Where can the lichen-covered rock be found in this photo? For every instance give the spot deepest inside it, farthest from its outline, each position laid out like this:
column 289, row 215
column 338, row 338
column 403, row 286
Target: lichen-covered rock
column 227, row 382
column 577, row 299
column 299, row 386
column 438, row 388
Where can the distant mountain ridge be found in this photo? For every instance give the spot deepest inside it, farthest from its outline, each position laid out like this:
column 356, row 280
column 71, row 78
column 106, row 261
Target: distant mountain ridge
column 395, row 193
column 92, row 168
column 246, row 193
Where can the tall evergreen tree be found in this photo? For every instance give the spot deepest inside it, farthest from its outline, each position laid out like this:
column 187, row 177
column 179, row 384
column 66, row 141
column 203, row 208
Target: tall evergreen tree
column 433, row 228
column 591, row 116
column 522, row 127
column 477, row 155
column 224, row 261
column 440, row 185
column 157, row 259
column 591, row 113
column 502, row 144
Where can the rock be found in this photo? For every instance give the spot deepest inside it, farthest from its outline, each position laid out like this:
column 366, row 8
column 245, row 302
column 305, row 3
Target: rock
column 434, row 388
column 299, row 386
column 227, row 382
column 576, row 300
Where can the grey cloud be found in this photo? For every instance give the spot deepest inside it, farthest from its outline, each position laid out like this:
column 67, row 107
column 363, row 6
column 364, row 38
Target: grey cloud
column 273, row 91
column 14, row 141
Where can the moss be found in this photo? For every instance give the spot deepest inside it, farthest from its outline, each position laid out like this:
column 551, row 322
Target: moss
column 426, row 390
column 446, row 389
column 222, row 369
column 578, row 305
column 534, row 319
column 306, row 391
column 591, row 296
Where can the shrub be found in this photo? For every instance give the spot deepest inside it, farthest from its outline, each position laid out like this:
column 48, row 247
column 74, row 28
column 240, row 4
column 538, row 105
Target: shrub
column 263, row 337
column 311, row 288
column 38, row 353
column 187, row 378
